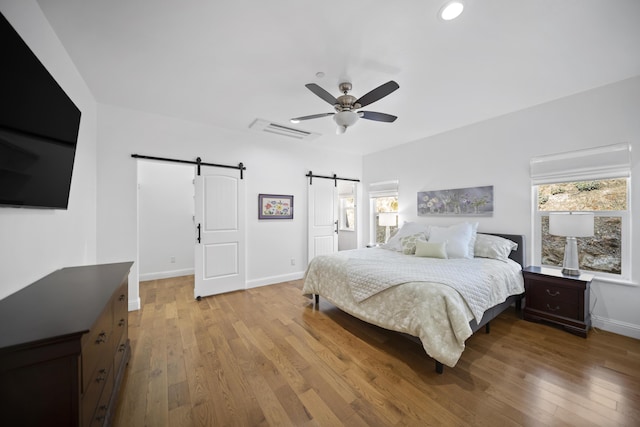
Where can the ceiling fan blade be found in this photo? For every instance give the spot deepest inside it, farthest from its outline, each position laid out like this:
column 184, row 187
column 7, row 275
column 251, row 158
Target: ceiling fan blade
column 379, row 117
column 377, row 93
column 313, row 116
column 322, row 93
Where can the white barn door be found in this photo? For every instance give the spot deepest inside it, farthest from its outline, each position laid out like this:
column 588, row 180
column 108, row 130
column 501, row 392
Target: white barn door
column 322, row 217
column 220, row 232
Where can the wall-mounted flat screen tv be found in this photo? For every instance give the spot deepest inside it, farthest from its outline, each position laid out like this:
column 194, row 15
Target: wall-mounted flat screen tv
column 39, row 127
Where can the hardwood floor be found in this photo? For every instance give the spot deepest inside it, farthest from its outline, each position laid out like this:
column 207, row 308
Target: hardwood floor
column 267, row 356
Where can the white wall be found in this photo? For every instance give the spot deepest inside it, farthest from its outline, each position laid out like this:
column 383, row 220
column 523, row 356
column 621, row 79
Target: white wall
column 35, row 242
column 497, row 152
column 274, row 165
column 165, row 219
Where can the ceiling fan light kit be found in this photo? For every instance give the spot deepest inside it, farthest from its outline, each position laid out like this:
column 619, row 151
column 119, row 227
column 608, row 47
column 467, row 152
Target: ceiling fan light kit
column 346, row 118
column 345, row 105
column 451, row 10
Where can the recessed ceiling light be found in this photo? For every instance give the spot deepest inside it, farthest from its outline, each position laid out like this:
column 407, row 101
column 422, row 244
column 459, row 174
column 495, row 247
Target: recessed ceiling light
column 451, row 10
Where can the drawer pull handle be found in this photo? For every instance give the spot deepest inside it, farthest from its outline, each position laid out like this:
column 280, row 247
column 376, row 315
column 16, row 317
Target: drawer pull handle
column 122, row 347
column 553, row 294
column 121, row 322
column 553, row 309
column 102, row 337
column 102, row 376
column 122, row 297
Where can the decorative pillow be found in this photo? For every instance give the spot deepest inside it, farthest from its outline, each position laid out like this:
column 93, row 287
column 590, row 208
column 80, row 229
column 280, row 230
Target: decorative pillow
column 409, row 243
column 431, row 250
column 496, row 247
column 460, row 239
column 407, row 229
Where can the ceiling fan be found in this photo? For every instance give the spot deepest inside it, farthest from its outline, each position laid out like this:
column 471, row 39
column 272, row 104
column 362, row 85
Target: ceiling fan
column 346, row 105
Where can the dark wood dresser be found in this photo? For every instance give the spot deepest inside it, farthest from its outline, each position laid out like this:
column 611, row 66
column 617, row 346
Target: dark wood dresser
column 558, row 299
column 64, row 347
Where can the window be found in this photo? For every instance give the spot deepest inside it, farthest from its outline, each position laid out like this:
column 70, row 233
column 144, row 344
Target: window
column 594, row 180
column 384, row 198
column 347, row 205
column 382, row 205
column 347, row 213
column 607, row 199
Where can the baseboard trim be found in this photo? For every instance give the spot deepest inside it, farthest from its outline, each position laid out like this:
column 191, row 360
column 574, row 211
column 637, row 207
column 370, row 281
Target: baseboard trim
column 134, row 304
column 255, row 283
column 165, row 274
column 616, row 326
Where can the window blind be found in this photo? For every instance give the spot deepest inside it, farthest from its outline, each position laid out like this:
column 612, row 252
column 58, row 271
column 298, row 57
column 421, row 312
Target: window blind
column 609, row 161
column 383, row 189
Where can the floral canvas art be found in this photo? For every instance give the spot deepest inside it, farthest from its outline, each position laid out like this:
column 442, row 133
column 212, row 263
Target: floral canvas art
column 473, row 201
column 272, row 206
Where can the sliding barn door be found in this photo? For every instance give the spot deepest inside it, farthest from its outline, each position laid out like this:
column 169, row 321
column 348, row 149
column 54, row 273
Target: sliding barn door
column 323, row 217
column 220, row 232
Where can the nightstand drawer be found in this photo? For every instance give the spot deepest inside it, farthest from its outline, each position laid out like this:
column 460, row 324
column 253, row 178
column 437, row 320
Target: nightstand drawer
column 540, row 292
column 559, row 308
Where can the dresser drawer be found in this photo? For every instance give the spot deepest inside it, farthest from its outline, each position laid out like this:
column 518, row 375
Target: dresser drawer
column 120, row 315
column 101, row 383
column 95, row 344
column 120, row 351
column 100, row 406
column 121, row 303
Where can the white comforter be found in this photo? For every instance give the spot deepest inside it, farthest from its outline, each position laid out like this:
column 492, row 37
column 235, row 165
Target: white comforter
column 435, row 312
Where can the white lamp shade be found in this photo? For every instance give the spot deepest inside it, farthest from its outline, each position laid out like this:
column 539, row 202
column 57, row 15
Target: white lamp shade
column 345, row 118
column 571, row 224
column 387, row 219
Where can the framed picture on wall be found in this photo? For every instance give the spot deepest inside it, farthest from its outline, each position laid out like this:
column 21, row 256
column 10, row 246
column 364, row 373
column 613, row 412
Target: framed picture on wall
column 275, row 206
column 472, row 201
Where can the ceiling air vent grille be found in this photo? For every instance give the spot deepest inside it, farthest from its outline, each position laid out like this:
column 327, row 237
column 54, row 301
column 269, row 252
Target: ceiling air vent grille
column 261, row 125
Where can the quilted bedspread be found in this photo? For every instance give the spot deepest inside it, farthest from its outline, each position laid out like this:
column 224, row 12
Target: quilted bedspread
column 435, row 312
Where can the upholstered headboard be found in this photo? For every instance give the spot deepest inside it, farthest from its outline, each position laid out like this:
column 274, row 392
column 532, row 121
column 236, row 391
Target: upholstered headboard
column 518, row 255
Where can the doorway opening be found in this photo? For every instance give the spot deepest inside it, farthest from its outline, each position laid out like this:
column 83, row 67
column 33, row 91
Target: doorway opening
column 165, row 220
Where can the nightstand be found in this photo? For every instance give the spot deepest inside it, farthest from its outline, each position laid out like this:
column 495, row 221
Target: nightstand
column 558, row 299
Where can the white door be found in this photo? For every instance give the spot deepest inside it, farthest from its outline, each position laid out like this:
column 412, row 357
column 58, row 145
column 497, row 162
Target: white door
column 323, row 217
column 220, row 231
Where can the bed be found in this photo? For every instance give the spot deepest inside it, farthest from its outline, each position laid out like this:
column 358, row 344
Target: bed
column 421, row 296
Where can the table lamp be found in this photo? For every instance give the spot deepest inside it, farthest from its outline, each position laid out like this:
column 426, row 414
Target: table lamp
column 571, row 225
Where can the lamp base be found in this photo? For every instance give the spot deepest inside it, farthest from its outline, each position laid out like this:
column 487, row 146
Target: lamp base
column 570, row 265
column 570, row 272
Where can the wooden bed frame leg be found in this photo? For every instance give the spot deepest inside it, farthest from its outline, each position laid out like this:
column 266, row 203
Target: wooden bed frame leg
column 487, row 327
column 317, row 297
column 439, row 367
column 519, row 304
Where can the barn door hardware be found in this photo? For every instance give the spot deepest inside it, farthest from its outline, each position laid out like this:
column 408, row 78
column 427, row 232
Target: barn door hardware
column 198, row 162
column 334, row 178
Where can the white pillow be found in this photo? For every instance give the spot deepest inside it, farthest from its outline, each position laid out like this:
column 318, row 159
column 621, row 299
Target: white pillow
column 407, row 229
column 496, row 247
column 460, row 239
column 431, row 250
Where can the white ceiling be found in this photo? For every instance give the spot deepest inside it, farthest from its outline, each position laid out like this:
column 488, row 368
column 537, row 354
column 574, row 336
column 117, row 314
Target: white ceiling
column 229, row 62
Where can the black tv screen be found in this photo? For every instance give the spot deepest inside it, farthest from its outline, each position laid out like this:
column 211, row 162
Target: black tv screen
column 39, row 127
